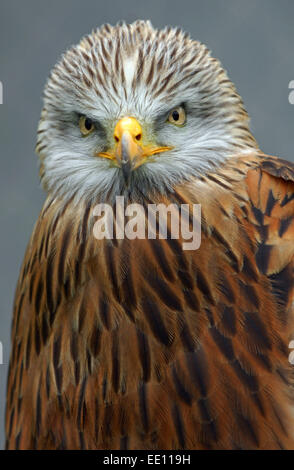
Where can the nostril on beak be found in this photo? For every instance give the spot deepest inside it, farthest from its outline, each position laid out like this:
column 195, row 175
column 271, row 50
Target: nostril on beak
column 138, row 137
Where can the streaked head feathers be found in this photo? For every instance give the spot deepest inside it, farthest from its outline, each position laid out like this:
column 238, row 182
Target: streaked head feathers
column 136, row 70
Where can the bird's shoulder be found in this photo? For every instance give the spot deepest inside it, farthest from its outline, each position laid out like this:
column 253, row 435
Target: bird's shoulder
column 277, row 167
column 270, row 186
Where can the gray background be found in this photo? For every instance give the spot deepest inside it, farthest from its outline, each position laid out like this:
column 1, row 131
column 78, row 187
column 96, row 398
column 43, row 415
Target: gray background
column 254, row 39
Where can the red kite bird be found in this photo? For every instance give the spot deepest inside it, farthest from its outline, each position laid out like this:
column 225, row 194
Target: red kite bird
column 123, row 343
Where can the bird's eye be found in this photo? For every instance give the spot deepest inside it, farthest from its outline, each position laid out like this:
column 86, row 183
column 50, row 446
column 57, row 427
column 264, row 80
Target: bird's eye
column 86, row 125
column 177, row 116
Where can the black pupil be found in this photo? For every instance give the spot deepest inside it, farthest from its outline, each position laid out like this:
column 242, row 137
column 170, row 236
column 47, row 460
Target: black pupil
column 175, row 115
column 88, row 124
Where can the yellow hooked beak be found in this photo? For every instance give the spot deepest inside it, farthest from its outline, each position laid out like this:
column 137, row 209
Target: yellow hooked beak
column 129, row 152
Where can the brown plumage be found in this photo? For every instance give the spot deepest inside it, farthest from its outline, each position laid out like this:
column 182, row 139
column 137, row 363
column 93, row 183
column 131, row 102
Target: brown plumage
column 177, row 350
column 138, row 344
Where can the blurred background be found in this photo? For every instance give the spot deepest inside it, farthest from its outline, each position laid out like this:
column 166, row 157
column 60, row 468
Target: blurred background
column 254, row 41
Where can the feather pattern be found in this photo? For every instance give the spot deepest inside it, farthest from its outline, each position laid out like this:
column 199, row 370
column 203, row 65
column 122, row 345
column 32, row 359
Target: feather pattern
column 136, row 70
column 138, row 344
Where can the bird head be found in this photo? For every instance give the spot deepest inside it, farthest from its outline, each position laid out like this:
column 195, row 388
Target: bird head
column 132, row 108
